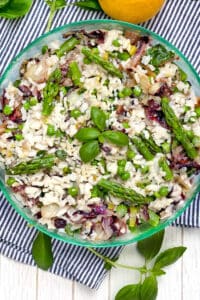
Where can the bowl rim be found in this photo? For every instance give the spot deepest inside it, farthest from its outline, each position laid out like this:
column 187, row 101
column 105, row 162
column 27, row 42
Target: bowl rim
column 111, row 243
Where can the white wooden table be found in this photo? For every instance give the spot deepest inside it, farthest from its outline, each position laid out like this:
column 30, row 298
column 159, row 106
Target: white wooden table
column 182, row 281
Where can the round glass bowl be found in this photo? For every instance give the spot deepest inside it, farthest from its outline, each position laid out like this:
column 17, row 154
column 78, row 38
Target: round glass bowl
column 12, row 73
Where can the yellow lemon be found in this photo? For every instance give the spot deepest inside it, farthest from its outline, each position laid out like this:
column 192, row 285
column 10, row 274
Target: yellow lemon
column 134, row 11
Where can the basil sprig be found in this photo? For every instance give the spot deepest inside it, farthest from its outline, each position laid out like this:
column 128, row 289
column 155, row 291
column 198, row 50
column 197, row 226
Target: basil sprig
column 91, row 137
column 42, row 251
column 12, row 9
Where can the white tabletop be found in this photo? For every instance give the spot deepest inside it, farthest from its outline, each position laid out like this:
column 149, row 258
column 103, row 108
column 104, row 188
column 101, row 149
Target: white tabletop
column 182, row 281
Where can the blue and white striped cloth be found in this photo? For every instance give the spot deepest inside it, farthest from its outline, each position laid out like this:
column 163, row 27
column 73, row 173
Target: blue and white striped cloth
column 178, row 22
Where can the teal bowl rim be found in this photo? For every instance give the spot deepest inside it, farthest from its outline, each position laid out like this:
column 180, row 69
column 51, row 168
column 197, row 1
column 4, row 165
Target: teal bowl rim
column 117, row 242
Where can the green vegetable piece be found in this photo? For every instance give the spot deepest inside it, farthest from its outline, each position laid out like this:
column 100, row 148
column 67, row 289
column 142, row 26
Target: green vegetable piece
column 50, row 130
column 142, row 148
column 121, row 163
column 123, row 56
column 177, row 128
column 68, row 230
column 44, row 49
column 129, row 292
column 137, row 91
column 126, row 125
column 128, row 195
column 163, row 191
column 121, row 210
column 17, row 83
column 159, row 55
column 67, row 46
column 98, row 117
column 33, row 101
column 33, row 166
column 165, row 167
column 14, row 8
column 108, row 66
column 116, row 137
column 89, row 151
column 10, row 181
column 154, row 219
column 126, row 92
column 7, row 110
column 88, row 5
column 19, row 137
column 116, row 43
column 73, row 191
column 168, row 257
column 130, row 154
column 61, row 154
column 125, row 175
column 87, row 134
column 42, row 251
column 75, row 73
column 196, row 141
column 151, row 144
column 26, row 105
column 183, row 75
column 66, row 170
column 144, row 170
column 50, row 92
column 75, row 113
column 150, row 246
column 197, row 111
column 166, row 147
column 149, row 288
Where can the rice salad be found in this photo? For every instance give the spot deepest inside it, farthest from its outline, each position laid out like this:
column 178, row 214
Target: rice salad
column 100, row 134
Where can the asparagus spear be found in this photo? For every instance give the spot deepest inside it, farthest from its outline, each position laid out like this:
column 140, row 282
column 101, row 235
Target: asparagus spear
column 75, row 73
column 108, row 66
column 153, row 147
column 165, row 167
column 33, row 166
column 117, row 190
column 50, row 91
column 67, row 46
column 142, row 148
column 177, row 128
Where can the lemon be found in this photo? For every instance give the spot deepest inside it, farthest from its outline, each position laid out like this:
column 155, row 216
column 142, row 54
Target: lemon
column 134, row 11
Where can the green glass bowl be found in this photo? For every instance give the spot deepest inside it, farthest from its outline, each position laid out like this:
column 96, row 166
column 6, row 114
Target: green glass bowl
column 12, row 73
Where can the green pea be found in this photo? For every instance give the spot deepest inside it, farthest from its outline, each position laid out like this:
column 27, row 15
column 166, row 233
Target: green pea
column 26, row 105
column 125, row 125
column 116, row 43
column 125, row 176
column 163, row 191
column 121, row 163
column 33, row 101
column 19, row 137
column 44, row 49
column 130, row 154
column 197, row 111
column 66, row 170
column 75, row 113
column 7, row 110
column 120, row 170
column 73, row 191
column 10, row 181
column 123, row 56
column 51, row 130
column 137, row 91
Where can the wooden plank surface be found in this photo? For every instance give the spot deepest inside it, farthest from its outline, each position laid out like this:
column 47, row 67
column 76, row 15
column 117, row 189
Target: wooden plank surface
column 21, row 282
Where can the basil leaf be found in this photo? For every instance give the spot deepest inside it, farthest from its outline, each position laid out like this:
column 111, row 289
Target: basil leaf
column 129, row 292
column 15, row 8
column 116, row 137
column 168, row 257
column 151, row 246
column 158, row 272
column 88, row 5
column 149, row 288
column 98, row 117
column 3, row 2
column 42, row 251
column 159, row 55
column 87, row 134
column 89, row 151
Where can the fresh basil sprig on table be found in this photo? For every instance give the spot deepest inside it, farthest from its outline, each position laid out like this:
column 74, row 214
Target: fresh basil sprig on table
column 91, row 137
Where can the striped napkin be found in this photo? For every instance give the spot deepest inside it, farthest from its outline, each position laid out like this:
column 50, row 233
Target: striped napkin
column 178, row 22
